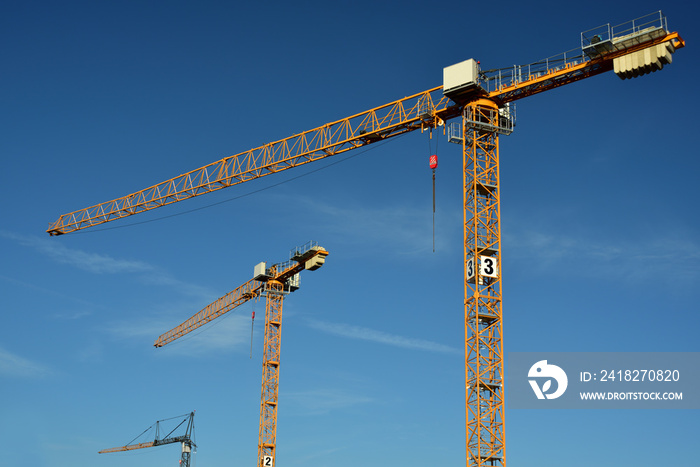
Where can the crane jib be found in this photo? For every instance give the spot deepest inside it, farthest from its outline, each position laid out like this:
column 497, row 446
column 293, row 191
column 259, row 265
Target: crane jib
column 392, row 119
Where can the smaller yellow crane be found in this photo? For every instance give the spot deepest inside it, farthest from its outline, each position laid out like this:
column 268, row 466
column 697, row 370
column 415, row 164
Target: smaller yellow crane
column 185, row 439
column 273, row 283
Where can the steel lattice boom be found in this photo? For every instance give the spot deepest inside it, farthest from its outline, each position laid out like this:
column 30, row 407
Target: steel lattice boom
column 240, row 295
column 411, row 113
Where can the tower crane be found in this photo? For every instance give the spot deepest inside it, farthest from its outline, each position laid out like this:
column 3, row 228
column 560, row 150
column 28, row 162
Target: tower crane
column 185, row 439
column 480, row 101
column 272, row 282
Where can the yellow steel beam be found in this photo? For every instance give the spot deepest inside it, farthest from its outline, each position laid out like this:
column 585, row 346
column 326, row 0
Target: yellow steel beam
column 228, row 302
column 333, row 138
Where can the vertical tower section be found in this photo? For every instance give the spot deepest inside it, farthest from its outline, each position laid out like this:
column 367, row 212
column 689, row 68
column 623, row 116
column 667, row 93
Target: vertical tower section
column 267, row 441
column 186, row 454
column 482, row 122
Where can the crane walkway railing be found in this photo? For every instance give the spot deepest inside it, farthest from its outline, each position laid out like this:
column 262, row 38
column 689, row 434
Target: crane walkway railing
column 495, row 80
column 595, row 43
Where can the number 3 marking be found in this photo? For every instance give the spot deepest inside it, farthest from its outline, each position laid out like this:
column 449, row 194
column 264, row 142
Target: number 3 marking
column 470, row 268
column 489, row 266
column 488, row 269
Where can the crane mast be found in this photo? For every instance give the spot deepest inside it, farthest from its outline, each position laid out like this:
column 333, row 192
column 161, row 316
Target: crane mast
column 267, row 436
column 482, row 123
column 481, row 101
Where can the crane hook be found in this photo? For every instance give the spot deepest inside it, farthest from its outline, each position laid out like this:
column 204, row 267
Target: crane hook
column 433, row 162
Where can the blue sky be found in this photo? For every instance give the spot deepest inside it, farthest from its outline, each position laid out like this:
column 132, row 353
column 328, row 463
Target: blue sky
column 601, row 245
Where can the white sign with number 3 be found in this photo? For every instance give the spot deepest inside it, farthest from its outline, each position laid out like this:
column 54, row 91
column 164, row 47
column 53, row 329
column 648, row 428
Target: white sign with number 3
column 470, row 268
column 488, row 266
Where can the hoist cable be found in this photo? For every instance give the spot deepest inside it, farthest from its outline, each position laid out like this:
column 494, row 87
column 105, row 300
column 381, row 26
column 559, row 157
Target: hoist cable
column 252, row 323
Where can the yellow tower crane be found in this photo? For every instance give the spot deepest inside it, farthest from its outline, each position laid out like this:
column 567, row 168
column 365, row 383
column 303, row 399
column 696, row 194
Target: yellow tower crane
column 273, row 283
column 481, row 99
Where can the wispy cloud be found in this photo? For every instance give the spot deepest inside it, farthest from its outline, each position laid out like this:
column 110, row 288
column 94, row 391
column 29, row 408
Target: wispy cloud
column 12, row 365
column 226, row 333
column 406, row 228
column 357, row 332
column 92, row 262
column 164, row 279
column 321, row 401
column 73, row 314
column 619, row 258
column 319, row 455
column 105, row 264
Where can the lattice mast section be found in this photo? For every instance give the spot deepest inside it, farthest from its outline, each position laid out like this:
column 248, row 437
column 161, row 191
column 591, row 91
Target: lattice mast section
column 267, row 439
column 482, row 287
column 186, row 455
